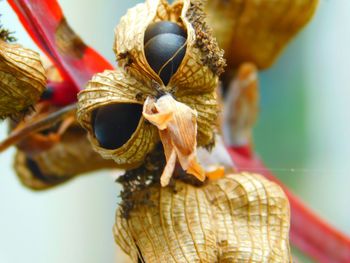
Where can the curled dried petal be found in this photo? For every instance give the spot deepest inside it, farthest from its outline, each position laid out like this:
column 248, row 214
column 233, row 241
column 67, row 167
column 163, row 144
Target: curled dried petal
column 178, row 132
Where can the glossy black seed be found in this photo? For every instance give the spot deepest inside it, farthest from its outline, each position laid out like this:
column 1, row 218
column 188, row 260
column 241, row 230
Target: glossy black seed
column 162, row 28
column 38, row 174
column 114, row 124
column 164, row 54
column 34, row 168
column 48, row 93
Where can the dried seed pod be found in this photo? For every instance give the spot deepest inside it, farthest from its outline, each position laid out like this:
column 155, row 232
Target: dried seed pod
column 187, row 69
column 64, row 160
column 256, row 30
column 52, row 146
column 239, row 218
column 22, row 79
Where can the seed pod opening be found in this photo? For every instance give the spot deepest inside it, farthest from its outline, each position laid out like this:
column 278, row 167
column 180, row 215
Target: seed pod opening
column 110, row 109
column 114, row 124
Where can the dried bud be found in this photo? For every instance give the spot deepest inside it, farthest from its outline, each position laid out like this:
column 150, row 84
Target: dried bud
column 22, row 79
column 239, row 218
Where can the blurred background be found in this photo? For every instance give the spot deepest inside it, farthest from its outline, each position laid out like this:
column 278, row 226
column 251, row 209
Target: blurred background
column 302, row 135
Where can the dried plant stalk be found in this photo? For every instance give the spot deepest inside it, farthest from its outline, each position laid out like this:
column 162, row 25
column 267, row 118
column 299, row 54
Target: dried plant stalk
column 239, row 218
column 22, row 79
column 256, row 30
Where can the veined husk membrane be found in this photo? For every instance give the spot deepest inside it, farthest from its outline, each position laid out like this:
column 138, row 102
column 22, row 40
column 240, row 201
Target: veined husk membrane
column 22, row 79
column 239, row 218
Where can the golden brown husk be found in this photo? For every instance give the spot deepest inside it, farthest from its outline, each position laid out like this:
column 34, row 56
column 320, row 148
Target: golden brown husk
column 193, row 84
column 256, row 30
column 22, row 79
column 239, row 218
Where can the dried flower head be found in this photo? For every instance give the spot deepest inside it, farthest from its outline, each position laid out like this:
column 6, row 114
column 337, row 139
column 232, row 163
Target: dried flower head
column 165, row 88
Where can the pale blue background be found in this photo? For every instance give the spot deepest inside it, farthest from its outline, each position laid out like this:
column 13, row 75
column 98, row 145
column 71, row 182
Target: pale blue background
column 304, row 125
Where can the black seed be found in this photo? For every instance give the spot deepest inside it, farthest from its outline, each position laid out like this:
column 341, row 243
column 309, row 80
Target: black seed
column 34, row 168
column 164, row 54
column 48, row 93
column 114, row 124
column 38, row 174
column 162, row 28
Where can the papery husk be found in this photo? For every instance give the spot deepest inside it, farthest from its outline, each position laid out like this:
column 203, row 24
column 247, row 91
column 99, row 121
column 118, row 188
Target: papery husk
column 65, row 160
column 22, row 79
column 112, row 87
column 194, row 83
column 239, row 218
column 197, row 73
column 256, row 30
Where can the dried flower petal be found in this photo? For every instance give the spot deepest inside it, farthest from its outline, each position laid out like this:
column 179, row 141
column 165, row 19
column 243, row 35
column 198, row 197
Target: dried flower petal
column 239, row 218
column 22, row 79
column 178, row 132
